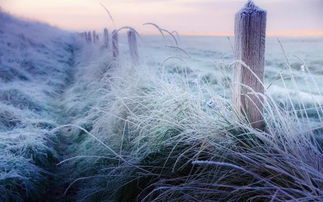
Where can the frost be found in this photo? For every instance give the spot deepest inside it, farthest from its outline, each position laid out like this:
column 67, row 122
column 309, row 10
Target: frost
column 250, row 7
column 35, row 61
column 167, row 125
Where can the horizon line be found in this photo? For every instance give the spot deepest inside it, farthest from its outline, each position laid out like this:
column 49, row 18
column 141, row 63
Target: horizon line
column 306, row 33
column 298, row 33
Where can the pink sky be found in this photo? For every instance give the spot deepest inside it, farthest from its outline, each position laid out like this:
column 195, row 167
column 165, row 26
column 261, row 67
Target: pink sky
column 203, row 17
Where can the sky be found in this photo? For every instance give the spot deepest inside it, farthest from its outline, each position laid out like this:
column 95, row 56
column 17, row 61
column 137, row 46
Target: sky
column 188, row 17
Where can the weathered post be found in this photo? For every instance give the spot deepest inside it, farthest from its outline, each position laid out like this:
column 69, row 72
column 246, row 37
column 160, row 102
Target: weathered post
column 133, row 48
column 94, row 36
column 106, row 38
column 115, row 46
column 250, row 36
column 89, row 37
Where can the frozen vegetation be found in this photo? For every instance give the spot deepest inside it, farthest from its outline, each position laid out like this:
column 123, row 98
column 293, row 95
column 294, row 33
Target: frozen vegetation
column 35, row 66
column 74, row 126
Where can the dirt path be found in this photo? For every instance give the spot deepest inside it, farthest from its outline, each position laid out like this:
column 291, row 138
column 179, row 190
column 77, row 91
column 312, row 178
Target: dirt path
column 59, row 180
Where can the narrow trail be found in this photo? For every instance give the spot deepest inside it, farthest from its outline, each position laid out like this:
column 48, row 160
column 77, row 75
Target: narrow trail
column 58, row 181
column 61, row 179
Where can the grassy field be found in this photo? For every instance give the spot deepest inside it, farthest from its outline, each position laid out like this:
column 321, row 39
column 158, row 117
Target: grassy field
column 76, row 127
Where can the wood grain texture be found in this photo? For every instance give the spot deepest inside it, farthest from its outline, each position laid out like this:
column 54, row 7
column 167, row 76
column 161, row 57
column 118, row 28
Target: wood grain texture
column 133, row 47
column 250, row 35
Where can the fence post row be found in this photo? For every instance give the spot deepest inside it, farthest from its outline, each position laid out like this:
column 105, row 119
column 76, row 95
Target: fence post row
column 250, row 36
column 133, row 48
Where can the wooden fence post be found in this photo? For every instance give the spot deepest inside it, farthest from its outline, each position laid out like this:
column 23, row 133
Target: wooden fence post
column 94, row 36
column 250, row 36
column 115, row 46
column 85, row 36
column 133, row 48
column 106, row 38
column 89, row 37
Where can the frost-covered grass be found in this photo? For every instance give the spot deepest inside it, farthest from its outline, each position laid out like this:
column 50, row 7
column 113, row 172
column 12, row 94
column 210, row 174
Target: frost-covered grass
column 158, row 132
column 35, row 66
column 162, row 130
